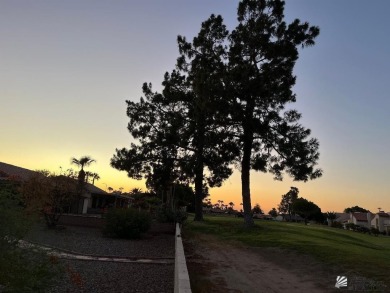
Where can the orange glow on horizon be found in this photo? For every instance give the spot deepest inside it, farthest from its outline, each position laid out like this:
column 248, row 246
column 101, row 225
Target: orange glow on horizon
column 264, row 190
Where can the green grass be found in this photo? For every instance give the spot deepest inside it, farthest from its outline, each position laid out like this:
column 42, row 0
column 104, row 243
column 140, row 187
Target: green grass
column 363, row 254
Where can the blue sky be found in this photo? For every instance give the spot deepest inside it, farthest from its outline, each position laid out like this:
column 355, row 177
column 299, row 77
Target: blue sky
column 67, row 67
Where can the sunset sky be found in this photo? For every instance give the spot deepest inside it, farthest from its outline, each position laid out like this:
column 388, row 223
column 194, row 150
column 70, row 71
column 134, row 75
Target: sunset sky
column 67, row 67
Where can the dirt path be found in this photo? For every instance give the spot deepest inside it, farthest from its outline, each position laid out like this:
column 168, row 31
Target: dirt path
column 216, row 266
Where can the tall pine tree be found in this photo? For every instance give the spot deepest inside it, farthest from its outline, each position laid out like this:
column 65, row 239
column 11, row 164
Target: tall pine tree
column 263, row 52
column 204, row 63
column 226, row 100
column 183, row 131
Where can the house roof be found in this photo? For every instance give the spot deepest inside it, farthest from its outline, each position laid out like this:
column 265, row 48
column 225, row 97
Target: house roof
column 342, row 217
column 361, row 217
column 94, row 189
column 383, row 214
column 7, row 170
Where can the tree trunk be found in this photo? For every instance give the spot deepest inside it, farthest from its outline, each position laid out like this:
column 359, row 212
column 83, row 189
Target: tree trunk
column 81, row 176
column 245, row 182
column 246, row 167
column 81, row 182
column 246, row 193
column 199, row 167
column 199, row 196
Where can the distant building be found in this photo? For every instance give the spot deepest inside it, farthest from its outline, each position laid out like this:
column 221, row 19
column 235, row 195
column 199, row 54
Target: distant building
column 80, row 206
column 361, row 219
column 287, row 218
column 10, row 171
column 380, row 221
column 342, row 218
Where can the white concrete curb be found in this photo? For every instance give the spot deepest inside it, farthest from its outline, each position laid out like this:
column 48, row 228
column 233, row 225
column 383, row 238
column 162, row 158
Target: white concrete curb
column 182, row 280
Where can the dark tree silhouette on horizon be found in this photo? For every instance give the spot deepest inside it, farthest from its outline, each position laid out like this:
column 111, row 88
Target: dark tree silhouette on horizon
column 184, row 122
column 263, row 52
column 355, row 209
column 288, row 199
column 306, row 209
column 226, row 102
column 209, row 135
column 154, row 155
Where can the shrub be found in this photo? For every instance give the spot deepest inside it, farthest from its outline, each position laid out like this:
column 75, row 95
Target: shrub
column 181, row 217
column 351, row 226
column 166, row 215
column 336, row 224
column 126, row 223
column 363, row 230
column 21, row 270
column 375, row 231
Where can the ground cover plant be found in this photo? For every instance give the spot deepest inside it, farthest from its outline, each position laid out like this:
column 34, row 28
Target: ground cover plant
column 360, row 254
column 21, row 270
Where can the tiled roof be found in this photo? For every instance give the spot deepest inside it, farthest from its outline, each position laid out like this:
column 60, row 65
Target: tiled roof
column 3, row 174
column 11, row 170
column 94, row 189
column 342, row 217
column 383, row 214
column 361, row 217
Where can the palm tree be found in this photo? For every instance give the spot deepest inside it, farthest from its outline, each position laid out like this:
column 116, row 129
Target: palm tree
column 135, row 191
column 95, row 176
column 331, row 216
column 138, row 198
column 83, row 161
column 87, row 175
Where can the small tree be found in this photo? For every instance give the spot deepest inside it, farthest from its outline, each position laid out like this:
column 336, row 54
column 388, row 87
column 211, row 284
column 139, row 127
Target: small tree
column 49, row 194
column 257, row 210
column 231, row 207
column 331, row 216
column 287, row 201
column 273, row 213
column 355, row 209
column 305, row 208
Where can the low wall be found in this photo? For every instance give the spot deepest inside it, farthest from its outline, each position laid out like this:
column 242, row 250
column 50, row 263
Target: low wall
column 93, row 221
column 182, row 280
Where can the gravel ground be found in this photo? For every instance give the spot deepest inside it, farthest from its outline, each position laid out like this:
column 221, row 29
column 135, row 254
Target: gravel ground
column 97, row 276
column 84, row 240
